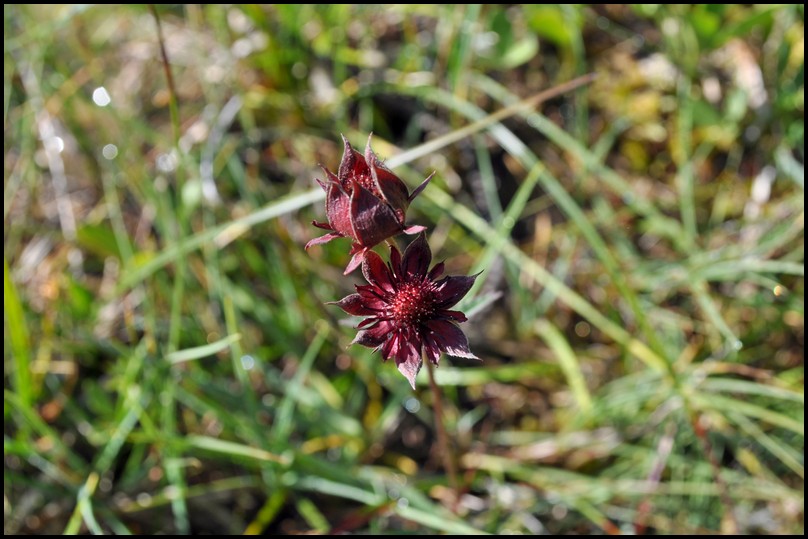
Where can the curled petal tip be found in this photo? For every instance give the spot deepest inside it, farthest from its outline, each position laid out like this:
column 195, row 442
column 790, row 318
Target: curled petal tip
column 322, row 239
column 414, row 229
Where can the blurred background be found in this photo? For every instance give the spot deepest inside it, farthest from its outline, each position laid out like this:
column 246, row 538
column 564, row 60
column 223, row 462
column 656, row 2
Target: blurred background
column 170, row 365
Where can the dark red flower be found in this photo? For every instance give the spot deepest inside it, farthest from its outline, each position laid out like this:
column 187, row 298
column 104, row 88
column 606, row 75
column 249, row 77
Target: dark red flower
column 364, row 201
column 408, row 309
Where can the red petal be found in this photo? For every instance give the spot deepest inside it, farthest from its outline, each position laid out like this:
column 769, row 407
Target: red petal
column 421, row 187
column 417, row 258
column 431, row 350
column 436, row 272
column 367, row 322
column 354, row 304
column 448, row 338
column 324, row 226
column 413, row 229
column 390, row 347
column 408, row 359
column 450, row 290
column 410, row 370
column 338, row 210
column 331, row 177
column 374, row 336
column 392, row 189
column 373, row 221
column 352, row 164
column 365, row 339
column 395, row 262
column 373, row 296
column 376, row 272
column 323, row 239
column 380, row 331
column 355, row 262
column 378, row 305
column 457, row 316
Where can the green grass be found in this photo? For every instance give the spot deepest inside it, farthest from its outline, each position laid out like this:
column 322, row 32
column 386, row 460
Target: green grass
column 170, row 364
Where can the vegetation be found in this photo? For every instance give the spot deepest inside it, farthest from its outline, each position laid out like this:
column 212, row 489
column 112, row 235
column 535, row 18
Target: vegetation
column 170, row 365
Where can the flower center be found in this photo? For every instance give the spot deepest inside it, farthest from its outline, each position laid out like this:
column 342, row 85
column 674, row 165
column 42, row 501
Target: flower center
column 366, row 181
column 413, row 303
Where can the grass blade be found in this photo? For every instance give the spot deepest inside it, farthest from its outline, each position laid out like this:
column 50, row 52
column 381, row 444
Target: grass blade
column 20, row 342
column 197, row 352
column 568, row 361
column 223, row 447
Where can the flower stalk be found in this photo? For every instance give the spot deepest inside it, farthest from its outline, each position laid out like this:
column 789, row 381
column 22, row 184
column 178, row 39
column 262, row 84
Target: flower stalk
column 444, row 446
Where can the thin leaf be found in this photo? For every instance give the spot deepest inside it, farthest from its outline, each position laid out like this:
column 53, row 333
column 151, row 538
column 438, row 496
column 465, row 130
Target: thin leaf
column 197, row 352
column 20, row 342
column 234, row 449
column 568, row 361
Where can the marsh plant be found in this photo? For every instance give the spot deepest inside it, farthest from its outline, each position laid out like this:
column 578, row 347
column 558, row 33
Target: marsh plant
column 407, row 306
